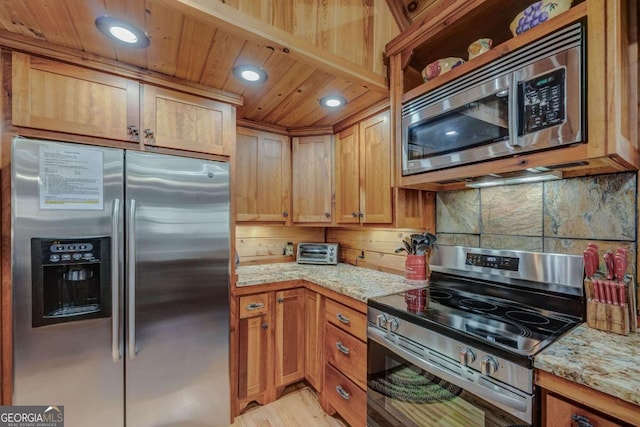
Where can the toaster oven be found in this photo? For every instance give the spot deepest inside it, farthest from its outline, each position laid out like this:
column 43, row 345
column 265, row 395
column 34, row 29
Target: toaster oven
column 317, row 253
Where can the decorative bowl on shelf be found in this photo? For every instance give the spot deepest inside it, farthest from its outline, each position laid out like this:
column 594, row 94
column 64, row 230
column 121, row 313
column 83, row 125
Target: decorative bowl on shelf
column 439, row 67
column 537, row 13
column 479, row 47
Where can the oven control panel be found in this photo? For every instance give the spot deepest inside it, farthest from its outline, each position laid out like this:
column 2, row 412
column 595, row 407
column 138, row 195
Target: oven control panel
column 492, row 261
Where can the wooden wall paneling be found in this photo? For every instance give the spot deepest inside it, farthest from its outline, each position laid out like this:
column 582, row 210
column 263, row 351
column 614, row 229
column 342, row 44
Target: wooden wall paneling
column 264, row 244
column 378, row 246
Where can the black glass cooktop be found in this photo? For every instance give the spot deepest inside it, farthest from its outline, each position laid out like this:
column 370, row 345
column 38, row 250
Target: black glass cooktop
column 520, row 322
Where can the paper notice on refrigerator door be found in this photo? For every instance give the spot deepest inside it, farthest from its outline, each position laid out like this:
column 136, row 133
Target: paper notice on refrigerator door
column 71, row 178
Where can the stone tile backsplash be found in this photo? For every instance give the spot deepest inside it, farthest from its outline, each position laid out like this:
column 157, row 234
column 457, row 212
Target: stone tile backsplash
column 557, row 216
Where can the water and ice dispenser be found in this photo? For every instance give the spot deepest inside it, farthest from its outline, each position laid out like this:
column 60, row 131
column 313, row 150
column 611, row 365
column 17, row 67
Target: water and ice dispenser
column 71, row 279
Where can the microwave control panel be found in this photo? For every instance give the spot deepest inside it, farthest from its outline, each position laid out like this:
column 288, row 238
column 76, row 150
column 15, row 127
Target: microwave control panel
column 542, row 101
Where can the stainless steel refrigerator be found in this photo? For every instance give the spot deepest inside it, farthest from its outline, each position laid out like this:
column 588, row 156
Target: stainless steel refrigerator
column 120, row 275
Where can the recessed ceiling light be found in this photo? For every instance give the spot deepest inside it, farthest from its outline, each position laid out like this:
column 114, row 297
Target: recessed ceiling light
column 332, row 101
column 250, row 73
column 122, row 31
column 451, row 133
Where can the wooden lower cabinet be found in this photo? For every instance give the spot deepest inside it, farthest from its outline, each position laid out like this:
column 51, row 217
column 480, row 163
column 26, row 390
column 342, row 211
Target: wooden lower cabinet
column 313, row 339
column 566, row 403
column 255, row 350
column 285, row 336
column 560, row 412
column 289, row 338
column 345, row 363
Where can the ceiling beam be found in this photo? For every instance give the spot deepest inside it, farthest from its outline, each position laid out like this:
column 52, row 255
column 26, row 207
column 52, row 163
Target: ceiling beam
column 242, row 25
column 397, row 10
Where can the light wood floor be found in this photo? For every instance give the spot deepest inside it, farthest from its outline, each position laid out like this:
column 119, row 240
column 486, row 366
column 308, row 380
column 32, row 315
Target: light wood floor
column 298, row 408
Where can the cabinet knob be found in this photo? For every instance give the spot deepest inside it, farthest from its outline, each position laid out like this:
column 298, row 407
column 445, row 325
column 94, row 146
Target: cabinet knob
column 265, row 325
column 343, row 393
column 327, row 214
column 133, row 131
column 354, row 214
column 285, row 214
column 148, row 134
column 280, row 300
column 360, row 214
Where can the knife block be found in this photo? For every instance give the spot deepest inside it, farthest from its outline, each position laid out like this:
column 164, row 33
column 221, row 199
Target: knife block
column 619, row 319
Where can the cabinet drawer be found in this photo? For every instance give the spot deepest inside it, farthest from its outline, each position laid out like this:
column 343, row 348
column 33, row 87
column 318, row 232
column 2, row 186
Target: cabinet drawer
column 253, row 305
column 347, row 319
column 349, row 400
column 347, row 354
column 559, row 413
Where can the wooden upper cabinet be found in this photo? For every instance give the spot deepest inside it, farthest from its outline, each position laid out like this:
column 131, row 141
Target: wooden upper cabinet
column 263, row 176
column 363, row 172
column 312, row 179
column 177, row 120
column 375, row 169
column 53, row 96
column 348, row 176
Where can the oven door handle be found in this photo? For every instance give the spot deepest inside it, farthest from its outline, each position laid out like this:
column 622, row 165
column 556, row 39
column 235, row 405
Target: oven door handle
column 520, row 406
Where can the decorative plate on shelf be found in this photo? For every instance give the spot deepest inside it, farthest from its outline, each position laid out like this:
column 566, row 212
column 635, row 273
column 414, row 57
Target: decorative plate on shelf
column 439, row 67
column 537, row 13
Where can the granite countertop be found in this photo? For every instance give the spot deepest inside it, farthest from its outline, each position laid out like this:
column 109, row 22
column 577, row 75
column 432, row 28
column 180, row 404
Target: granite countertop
column 355, row 282
column 604, row 361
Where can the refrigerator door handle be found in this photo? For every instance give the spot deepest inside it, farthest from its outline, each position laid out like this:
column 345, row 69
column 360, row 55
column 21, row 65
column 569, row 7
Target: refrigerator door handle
column 116, row 313
column 131, row 282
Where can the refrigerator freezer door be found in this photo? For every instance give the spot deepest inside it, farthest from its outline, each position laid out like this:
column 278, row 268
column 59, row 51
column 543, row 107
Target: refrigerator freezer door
column 178, row 291
column 76, row 363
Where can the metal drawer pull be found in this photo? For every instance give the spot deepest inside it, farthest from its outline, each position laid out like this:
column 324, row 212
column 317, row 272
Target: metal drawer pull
column 580, row 421
column 343, row 319
column 342, row 348
column 343, row 394
column 255, row 306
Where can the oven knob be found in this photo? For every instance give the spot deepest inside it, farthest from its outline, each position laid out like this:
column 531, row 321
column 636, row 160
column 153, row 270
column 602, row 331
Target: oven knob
column 467, row 356
column 488, row 365
column 381, row 319
column 393, row 325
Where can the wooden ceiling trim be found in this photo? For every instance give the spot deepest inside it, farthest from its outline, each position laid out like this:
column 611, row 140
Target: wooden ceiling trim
column 36, row 47
column 235, row 22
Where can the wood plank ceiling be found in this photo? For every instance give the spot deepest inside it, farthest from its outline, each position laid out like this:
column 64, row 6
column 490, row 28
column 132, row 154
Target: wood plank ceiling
column 201, row 41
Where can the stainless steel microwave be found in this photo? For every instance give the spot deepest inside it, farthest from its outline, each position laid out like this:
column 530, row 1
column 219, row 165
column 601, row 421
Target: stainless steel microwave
column 531, row 99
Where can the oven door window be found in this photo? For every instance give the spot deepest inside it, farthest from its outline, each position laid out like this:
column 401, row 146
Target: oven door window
column 401, row 394
column 480, row 122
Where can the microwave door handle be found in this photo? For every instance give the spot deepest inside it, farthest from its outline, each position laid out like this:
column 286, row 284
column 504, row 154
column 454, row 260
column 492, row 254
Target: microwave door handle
column 514, row 111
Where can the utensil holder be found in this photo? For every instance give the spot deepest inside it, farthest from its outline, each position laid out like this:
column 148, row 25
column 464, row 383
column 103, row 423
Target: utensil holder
column 619, row 319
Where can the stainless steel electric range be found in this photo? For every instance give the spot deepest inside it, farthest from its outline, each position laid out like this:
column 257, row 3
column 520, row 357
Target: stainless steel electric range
column 459, row 352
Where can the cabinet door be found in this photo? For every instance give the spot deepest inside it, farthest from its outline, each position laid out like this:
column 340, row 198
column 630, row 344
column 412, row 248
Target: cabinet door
column 348, row 176
column 375, row 169
column 253, row 348
column 313, row 340
column 187, row 122
column 65, row 98
column 263, row 176
column 312, row 166
column 289, row 341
